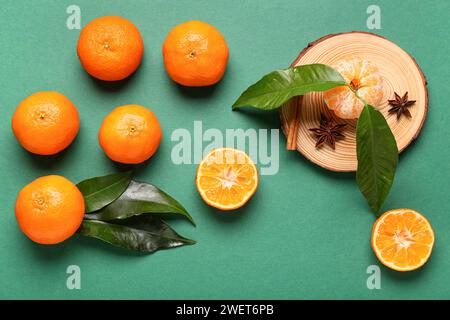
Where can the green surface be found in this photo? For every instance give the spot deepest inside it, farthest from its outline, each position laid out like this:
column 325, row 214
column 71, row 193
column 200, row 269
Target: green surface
column 305, row 234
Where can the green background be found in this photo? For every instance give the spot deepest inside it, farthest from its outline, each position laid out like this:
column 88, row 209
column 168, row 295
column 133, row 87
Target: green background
column 305, row 234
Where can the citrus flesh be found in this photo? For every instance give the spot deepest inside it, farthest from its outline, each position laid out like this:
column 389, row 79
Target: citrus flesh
column 227, row 178
column 363, row 79
column 402, row 239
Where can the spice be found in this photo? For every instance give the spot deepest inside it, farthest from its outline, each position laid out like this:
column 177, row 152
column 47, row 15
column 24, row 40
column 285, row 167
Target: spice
column 328, row 132
column 400, row 105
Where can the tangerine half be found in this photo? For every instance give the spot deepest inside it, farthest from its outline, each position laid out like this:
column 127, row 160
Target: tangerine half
column 227, row 178
column 402, row 239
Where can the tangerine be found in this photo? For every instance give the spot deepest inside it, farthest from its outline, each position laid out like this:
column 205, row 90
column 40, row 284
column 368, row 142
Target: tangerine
column 402, row 239
column 130, row 134
column 45, row 123
column 227, row 178
column 110, row 48
column 50, row 209
column 195, row 54
column 363, row 79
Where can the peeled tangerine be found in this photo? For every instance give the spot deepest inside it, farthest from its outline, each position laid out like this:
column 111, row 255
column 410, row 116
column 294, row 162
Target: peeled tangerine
column 364, row 78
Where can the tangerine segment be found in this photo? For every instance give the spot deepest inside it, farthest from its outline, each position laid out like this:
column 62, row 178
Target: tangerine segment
column 363, row 79
column 402, row 239
column 195, row 54
column 130, row 134
column 110, row 48
column 227, row 178
column 50, row 209
column 45, row 123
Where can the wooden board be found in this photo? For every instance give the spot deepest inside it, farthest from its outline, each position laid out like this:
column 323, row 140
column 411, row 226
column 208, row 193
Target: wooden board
column 400, row 73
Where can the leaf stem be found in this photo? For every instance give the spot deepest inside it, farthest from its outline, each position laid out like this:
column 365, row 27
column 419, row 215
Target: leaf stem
column 355, row 92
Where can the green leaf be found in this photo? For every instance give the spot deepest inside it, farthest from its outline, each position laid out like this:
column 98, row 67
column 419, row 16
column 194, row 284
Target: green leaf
column 377, row 157
column 279, row 86
column 100, row 191
column 144, row 234
column 140, row 198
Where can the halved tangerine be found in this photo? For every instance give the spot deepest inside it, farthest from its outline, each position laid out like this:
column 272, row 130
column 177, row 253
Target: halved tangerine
column 227, row 178
column 402, row 239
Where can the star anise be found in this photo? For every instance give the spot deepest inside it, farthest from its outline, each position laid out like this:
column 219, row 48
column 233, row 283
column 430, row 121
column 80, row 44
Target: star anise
column 328, row 132
column 400, row 105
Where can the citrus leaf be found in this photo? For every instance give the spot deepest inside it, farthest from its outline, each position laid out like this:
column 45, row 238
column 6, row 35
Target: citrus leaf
column 98, row 192
column 145, row 234
column 279, row 86
column 377, row 157
column 137, row 199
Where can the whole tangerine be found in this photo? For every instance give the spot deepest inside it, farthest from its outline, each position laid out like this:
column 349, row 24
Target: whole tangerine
column 130, row 134
column 45, row 123
column 195, row 54
column 110, row 48
column 50, row 209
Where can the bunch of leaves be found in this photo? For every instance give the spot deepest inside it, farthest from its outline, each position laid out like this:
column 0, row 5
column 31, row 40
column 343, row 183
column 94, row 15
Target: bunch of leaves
column 129, row 214
column 377, row 151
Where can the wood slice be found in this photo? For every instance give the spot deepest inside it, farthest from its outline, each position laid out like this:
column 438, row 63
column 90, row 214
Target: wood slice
column 400, row 73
